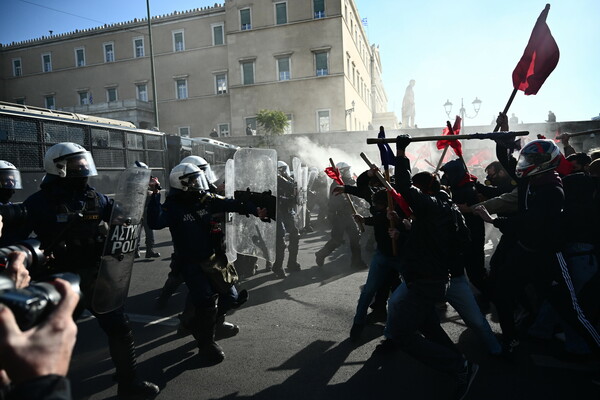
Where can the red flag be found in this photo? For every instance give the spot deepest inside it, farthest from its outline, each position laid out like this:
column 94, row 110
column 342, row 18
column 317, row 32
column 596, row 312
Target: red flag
column 334, row 174
column 455, row 144
column 483, row 156
column 539, row 58
column 401, row 201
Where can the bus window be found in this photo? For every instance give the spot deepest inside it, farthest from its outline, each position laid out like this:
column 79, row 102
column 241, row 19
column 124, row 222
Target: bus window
column 57, row 133
column 135, row 141
column 99, row 138
column 116, row 139
column 109, row 158
column 154, row 142
column 18, row 130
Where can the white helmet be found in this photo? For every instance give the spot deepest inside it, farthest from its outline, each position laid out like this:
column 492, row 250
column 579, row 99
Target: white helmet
column 536, row 157
column 10, row 177
column 140, row 164
column 188, row 177
column 283, row 168
column 203, row 165
column 69, row 160
column 342, row 165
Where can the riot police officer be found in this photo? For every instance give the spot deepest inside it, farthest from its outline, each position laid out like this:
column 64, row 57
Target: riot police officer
column 342, row 222
column 286, row 203
column 10, row 181
column 67, row 216
column 187, row 212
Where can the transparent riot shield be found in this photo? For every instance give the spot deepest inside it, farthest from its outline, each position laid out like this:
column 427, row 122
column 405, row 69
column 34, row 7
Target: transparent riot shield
column 302, row 198
column 254, row 169
column 114, row 275
column 230, row 232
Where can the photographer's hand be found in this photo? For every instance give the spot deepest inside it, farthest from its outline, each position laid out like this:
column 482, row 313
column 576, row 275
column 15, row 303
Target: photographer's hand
column 43, row 350
column 16, row 269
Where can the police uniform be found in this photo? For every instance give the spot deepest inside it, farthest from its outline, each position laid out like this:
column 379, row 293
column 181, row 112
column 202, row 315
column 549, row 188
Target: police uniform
column 286, row 202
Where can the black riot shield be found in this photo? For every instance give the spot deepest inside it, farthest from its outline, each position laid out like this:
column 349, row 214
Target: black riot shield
column 114, row 275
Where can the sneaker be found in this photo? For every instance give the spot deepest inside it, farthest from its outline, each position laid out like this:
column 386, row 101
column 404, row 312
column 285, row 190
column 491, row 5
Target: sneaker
column 279, row 272
column 465, row 379
column 293, row 267
column 356, row 331
column 386, row 347
column 152, row 254
column 377, row 315
column 320, row 259
column 359, row 264
column 137, row 389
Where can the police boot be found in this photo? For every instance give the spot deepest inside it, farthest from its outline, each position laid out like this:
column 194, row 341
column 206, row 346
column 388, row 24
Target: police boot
column 225, row 329
column 278, row 270
column 171, row 285
column 122, row 351
column 186, row 319
column 203, row 329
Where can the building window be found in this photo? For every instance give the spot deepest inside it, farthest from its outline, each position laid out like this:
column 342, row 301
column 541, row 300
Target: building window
column 281, row 13
column 248, row 72
column 184, row 131
column 245, row 19
column 221, row 83
column 182, row 90
column 321, row 63
column 109, row 52
column 323, row 121
column 319, row 8
column 178, row 41
column 50, row 103
column 218, row 38
column 138, row 47
column 111, row 94
column 84, row 98
column 283, row 68
column 142, row 92
column 47, row 62
column 223, row 130
column 80, row 57
column 251, row 126
column 17, row 68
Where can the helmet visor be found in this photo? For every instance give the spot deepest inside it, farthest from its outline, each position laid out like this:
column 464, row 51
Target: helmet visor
column 208, row 173
column 79, row 165
column 195, row 181
column 10, row 179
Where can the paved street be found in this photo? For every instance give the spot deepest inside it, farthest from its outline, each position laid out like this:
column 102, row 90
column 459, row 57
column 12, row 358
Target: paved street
column 293, row 344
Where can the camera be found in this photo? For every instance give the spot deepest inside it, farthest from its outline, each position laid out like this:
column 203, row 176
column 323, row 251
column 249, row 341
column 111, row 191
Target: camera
column 34, row 257
column 13, row 213
column 31, row 305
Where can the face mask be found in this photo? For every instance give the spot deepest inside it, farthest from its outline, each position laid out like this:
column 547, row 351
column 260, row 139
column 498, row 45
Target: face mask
column 75, row 184
column 5, row 195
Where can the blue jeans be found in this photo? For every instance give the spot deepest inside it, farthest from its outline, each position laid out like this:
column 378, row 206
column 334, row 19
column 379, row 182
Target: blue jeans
column 413, row 324
column 582, row 267
column 380, row 267
column 461, row 298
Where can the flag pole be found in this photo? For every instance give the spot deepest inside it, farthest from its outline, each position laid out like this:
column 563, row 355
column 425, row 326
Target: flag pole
column 360, row 224
column 450, row 133
column 510, row 100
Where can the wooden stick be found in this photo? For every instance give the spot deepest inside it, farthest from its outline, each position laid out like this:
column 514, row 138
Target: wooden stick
column 574, row 134
column 360, row 224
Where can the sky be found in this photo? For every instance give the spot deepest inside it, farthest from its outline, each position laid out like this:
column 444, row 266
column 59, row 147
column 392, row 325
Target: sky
column 454, row 50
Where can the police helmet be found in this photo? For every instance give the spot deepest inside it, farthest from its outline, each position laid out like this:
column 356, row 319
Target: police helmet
column 69, row 160
column 283, row 168
column 536, row 157
column 140, row 164
column 203, row 165
column 188, row 177
column 10, row 177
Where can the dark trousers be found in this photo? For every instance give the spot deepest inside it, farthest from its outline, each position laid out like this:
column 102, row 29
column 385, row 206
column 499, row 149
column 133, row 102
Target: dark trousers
column 549, row 274
column 414, row 325
column 340, row 225
column 286, row 224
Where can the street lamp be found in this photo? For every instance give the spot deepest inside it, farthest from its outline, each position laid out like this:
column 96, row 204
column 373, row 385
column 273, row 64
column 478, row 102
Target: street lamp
column 463, row 113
